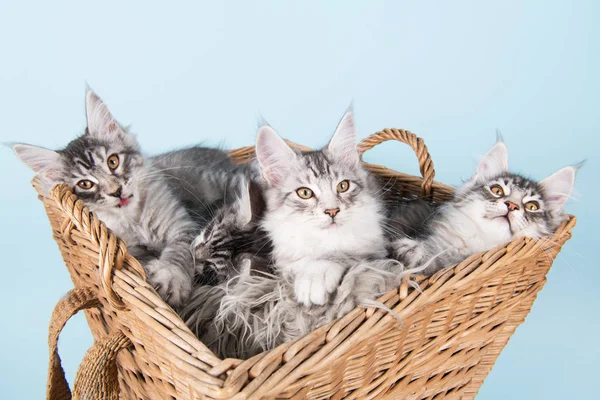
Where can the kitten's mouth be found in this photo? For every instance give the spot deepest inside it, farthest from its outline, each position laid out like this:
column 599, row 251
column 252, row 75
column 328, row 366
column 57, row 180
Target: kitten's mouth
column 124, row 202
column 332, row 225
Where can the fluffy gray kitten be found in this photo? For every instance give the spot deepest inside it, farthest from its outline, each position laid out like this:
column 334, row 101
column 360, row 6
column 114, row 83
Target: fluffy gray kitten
column 323, row 213
column 232, row 236
column 141, row 200
column 490, row 209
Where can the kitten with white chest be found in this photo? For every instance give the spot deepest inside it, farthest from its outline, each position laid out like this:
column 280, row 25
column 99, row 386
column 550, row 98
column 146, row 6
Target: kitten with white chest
column 141, row 200
column 492, row 208
column 322, row 211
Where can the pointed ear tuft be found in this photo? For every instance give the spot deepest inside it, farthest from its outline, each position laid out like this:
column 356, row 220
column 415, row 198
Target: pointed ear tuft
column 273, row 154
column 44, row 162
column 558, row 187
column 494, row 163
column 343, row 142
column 100, row 121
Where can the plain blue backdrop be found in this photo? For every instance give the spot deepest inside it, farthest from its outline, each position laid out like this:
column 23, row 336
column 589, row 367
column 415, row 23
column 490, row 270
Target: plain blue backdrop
column 185, row 72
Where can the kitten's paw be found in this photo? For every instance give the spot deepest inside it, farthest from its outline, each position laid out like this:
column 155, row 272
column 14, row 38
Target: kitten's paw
column 170, row 281
column 408, row 251
column 314, row 285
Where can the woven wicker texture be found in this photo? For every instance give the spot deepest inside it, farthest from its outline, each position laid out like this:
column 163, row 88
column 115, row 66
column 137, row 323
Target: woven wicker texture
column 452, row 331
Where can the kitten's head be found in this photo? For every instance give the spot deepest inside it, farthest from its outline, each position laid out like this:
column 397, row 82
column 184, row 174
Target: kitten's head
column 232, row 232
column 101, row 166
column 318, row 192
column 511, row 205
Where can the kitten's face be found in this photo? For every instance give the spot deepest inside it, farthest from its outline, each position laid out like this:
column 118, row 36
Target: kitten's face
column 103, row 173
column 511, row 205
column 102, row 166
column 322, row 192
column 321, row 201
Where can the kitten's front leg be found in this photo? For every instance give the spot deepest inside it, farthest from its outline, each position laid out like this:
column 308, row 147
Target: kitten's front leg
column 171, row 274
column 315, row 280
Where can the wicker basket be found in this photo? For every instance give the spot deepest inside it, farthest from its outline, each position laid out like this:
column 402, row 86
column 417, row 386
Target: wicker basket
column 451, row 335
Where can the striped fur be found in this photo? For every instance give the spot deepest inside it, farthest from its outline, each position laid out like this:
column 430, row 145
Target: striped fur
column 156, row 205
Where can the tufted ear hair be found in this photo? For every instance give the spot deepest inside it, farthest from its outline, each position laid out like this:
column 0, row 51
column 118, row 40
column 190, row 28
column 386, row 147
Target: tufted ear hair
column 273, row 154
column 558, row 187
column 45, row 163
column 343, row 142
column 494, row 163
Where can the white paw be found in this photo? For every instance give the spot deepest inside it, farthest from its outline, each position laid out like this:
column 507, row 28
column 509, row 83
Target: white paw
column 409, row 251
column 170, row 281
column 314, row 284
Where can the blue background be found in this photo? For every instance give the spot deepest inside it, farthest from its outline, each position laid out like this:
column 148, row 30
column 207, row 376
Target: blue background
column 185, row 72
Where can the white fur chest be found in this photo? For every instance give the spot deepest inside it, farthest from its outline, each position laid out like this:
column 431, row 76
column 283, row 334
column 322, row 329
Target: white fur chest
column 467, row 228
column 294, row 240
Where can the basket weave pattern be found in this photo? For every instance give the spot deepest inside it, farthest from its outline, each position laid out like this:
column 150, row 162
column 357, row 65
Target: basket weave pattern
column 451, row 334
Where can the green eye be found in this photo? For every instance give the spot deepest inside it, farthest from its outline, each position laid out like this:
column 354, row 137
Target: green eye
column 85, row 184
column 532, row 206
column 304, row 193
column 343, row 186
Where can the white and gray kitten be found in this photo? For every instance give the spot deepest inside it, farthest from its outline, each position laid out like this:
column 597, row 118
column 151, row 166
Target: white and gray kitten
column 156, row 205
column 322, row 214
column 490, row 209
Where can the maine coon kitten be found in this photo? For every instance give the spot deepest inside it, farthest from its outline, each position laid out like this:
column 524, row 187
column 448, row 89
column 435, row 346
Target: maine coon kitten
column 232, row 236
column 133, row 196
column 490, row 209
column 322, row 214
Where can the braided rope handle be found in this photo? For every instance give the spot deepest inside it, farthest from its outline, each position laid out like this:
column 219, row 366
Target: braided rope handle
column 97, row 376
column 415, row 142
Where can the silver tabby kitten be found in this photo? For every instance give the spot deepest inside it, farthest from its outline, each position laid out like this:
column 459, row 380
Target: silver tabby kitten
column 490, row 209
column 249, row 308
column 232, row 236
column 142, row 201
column 322, row 214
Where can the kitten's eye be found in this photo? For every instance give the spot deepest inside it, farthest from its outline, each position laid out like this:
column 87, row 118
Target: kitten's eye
column 532, row 206
column 497, row 190
column 85, row 184
column 305, row 193
column 343, row 186
column 113, row 162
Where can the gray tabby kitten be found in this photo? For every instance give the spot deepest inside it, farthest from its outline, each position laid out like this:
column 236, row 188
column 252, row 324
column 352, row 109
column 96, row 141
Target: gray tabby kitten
column 490, row 209
column 323, row 213
column 142, row 201
column 232, row 236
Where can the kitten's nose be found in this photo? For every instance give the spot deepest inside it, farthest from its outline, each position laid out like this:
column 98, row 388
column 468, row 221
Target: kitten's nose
column 117, row 193
column 511, row 206
column 332, row 212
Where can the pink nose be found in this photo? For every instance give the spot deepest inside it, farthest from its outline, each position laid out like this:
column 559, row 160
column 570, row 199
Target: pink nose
column 332, row 212
column 511, row 206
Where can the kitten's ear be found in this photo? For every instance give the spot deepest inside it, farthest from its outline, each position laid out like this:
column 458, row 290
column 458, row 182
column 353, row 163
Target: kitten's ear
column 273, row 154
column 44, row 162
column 253, row 203
column 343, row 143
column 558, row 187
column 100, row 121
column 494, row 163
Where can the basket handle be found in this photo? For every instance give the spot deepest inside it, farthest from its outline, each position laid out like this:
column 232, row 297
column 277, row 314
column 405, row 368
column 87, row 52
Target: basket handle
column 97, row 376
column 415, row 142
